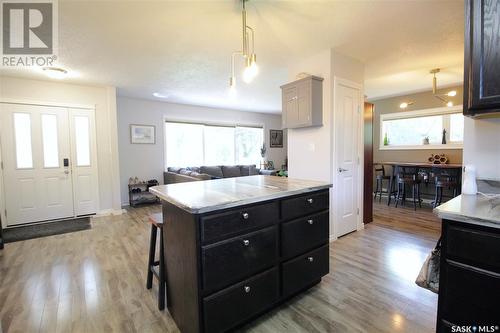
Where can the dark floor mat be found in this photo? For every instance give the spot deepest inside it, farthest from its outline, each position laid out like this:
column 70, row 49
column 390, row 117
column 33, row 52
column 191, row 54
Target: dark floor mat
column 45, row 229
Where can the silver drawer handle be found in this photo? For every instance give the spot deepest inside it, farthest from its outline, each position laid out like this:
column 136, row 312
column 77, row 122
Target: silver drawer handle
column 245, row 216
column 310, row 200
column 310, row 221
column 246, row 242
column 310, row 259
column 247, row 289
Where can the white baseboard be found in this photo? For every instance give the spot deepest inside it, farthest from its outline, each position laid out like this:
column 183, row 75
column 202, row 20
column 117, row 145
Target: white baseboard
column 108, row 212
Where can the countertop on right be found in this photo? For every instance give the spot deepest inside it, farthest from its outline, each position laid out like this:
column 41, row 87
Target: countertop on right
column 475, row 209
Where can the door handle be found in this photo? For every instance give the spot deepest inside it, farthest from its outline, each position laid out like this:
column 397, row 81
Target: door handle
column 342, row 170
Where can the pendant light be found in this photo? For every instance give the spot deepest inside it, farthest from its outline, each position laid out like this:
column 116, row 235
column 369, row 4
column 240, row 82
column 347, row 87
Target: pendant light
column 248, row 53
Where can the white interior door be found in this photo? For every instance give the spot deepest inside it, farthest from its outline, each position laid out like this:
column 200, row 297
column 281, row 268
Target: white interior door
column 347, row 106
column 84, row 161
column 35, row 143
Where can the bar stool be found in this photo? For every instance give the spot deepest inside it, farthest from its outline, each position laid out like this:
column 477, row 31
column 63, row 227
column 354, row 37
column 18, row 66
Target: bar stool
column 380, row 177
column 442, row 182
column 412, row 180
column 156, row 221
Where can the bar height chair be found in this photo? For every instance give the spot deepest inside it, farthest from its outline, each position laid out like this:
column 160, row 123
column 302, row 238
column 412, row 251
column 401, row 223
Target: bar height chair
column 156, row 221
column 410, row 179
column 380, row 178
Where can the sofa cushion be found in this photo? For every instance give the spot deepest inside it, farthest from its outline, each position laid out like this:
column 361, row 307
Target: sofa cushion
column 231, row 171
column 248, row 170
column 195, row 169
column 214, row 171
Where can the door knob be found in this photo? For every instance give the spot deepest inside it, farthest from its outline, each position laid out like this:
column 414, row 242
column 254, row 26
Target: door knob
column 342, row 170
column 247, row 289
column 310, row 221
column 310, row 200
column 246, row 242
column 245, row 216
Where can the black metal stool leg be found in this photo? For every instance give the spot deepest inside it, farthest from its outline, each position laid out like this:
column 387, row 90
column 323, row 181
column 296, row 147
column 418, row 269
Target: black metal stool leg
column 151, row 260
column 161, row 287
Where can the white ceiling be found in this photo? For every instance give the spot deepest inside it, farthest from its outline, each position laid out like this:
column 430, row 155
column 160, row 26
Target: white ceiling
column 182, row 48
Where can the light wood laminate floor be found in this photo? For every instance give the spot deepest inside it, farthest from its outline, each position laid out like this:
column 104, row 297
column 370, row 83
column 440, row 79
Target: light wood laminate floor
column 94, row 281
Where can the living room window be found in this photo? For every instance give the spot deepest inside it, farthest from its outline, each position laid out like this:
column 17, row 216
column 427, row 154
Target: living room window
column 192, row 144
column 422, row 129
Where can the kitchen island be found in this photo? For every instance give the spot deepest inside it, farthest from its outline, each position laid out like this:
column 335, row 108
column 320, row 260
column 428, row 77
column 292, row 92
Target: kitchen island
column 469, row 280
column 237, row 247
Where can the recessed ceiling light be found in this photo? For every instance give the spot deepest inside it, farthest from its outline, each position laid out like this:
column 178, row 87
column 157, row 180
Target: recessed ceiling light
column 159, row 95
column 452, row 93
column 55, row 72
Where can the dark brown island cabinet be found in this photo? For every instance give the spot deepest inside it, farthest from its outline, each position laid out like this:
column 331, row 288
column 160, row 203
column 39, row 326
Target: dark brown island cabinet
column 469, row 282
column 482, row 58
column 236, row 248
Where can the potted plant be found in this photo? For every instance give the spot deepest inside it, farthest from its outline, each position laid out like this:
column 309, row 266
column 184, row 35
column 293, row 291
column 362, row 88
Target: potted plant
column 425, row 140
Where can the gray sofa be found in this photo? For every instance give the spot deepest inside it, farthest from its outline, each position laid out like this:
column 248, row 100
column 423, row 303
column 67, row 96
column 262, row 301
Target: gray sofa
column 190, row 174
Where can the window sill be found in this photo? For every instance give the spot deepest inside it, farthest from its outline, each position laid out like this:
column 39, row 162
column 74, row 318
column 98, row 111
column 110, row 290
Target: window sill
column 423, row 147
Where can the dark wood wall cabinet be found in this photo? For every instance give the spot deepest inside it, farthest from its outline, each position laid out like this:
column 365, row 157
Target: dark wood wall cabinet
column 469, row 282
column 482, row 58
column 227, row 267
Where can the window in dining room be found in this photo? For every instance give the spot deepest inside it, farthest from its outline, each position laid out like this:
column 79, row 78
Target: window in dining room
column 423, row 129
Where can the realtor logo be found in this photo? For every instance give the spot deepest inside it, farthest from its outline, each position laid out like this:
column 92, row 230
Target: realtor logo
column 29, row 28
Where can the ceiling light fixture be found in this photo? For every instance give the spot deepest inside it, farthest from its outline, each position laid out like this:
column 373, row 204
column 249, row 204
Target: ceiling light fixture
column 159, row 95
column 404, row 105
column 441, row 97
column 248, row 53
column 55, row 72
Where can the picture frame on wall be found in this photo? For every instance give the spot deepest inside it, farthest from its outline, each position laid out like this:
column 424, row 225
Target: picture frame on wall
column 142, row 134
column 276, row 138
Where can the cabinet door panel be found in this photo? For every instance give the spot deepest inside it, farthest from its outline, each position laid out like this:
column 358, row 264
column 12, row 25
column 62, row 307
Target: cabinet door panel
column 304, row 103
column 482, row 57
column 290, row 106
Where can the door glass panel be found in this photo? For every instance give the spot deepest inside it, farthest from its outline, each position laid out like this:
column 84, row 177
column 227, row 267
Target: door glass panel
column 82, row 140
column 50, row 142
column 22, row 130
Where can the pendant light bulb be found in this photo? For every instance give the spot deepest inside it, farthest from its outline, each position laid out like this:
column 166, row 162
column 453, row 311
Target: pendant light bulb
column 452, row 93
column 232, row 86
column 251, row 69
column 449, row 104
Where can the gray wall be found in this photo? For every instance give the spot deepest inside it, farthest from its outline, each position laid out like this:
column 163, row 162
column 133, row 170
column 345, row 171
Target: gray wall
column 423, row 100
column 147, row 161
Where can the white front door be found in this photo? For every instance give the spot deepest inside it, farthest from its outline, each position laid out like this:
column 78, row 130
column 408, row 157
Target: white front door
column 84, row 161
column 49, row 163
column 35, row 143
column 347, row 103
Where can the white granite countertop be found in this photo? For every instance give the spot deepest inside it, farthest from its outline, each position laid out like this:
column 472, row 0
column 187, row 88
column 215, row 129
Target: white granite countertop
column 475, row 209
column 209, row 195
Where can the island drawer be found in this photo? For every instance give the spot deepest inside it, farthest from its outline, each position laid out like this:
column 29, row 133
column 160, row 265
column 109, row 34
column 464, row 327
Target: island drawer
column 302, row 271
column 473, row 245
column 232, row 260
column 233, row 305
column 301, row 235
column 304, row 205
column 234, row 222
column 469, row 295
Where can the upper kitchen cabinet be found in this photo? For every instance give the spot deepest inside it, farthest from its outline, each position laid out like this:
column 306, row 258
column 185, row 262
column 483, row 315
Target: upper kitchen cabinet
column 482, row 58
column 303, row 103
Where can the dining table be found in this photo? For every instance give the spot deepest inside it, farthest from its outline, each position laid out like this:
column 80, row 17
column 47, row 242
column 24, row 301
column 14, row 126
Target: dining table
column 454, row 169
